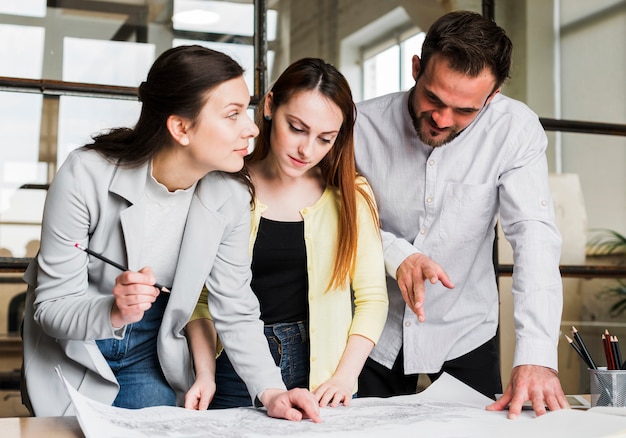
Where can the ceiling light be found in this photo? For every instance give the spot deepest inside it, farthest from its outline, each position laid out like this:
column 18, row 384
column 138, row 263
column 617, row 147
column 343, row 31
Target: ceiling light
column 194, row 19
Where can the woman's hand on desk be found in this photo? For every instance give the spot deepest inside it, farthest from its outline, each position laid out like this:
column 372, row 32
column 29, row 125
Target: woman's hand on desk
column 338, row 389
column 201, row 392
column 333, row 392
column 295, row 404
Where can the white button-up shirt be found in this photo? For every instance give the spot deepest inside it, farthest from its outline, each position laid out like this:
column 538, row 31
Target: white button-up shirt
column 444, row 202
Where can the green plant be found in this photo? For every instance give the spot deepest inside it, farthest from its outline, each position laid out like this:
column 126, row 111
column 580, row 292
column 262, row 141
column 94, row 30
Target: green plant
column 608, row 242
column 620, row 291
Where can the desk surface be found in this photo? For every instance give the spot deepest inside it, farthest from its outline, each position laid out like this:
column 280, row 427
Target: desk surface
column 37, row 427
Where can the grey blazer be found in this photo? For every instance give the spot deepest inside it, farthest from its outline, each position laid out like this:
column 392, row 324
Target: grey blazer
column 101, row 206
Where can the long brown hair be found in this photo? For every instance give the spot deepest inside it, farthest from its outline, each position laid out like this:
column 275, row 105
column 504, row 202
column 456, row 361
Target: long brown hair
column 337, row 167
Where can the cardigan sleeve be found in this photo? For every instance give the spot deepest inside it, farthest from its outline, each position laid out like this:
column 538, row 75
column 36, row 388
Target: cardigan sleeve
column 368, row 279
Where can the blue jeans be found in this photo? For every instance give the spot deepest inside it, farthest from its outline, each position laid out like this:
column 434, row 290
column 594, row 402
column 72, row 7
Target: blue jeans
column 289, row 345
column 135, row 363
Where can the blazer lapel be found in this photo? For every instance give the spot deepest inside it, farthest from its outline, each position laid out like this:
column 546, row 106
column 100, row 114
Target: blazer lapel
column 130, row 184
column 203, row 234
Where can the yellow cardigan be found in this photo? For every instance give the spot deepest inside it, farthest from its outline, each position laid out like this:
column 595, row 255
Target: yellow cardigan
column 333, row 316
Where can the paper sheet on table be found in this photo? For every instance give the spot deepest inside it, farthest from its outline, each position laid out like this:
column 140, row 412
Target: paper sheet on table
column 447, row 408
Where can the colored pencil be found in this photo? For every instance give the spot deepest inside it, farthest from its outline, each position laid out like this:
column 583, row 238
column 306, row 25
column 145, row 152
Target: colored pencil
column 608, row 353
column 617, row 355
column 117, row 265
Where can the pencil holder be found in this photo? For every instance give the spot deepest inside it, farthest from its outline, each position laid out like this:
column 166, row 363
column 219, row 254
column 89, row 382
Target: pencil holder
column 608, row 387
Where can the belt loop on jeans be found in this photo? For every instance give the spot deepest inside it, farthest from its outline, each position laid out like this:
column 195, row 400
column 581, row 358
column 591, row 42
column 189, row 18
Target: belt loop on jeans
column 301, row 326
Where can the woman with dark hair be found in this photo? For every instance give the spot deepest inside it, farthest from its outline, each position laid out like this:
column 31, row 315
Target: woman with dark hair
column 317, row 263
column 160, row 199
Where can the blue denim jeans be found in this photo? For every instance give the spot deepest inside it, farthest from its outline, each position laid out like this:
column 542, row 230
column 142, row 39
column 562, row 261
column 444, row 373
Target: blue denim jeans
column 289, row 345
column 135, row 363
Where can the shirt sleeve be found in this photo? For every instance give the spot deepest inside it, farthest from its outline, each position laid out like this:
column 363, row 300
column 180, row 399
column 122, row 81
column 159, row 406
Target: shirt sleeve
column 396, row 250
column 528, row 222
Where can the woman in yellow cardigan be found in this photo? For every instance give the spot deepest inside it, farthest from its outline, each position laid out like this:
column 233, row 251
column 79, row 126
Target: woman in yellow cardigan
column 317, row 260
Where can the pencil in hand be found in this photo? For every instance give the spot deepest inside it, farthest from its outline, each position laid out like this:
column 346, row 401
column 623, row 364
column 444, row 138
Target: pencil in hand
column 117, row 265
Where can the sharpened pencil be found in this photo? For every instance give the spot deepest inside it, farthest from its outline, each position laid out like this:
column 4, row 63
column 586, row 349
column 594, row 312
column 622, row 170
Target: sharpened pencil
column 608, row 353
column 577, row 350
column 583, row 349
column 617, row 355
column 117, row 265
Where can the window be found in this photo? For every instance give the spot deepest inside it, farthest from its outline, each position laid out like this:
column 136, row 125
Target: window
column 387, row 65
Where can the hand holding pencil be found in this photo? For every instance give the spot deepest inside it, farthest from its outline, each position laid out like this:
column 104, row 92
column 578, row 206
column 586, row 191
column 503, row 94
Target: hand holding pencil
column 116, row 265
column 134, row 292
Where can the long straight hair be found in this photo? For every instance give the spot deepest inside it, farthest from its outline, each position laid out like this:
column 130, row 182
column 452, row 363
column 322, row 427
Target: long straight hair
column 337, row 167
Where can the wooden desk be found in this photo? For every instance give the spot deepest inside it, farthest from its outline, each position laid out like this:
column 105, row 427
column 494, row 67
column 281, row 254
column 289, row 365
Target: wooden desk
column 38, row 427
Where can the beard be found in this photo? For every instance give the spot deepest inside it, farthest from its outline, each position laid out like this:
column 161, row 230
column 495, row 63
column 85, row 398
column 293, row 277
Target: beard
column 435, row 139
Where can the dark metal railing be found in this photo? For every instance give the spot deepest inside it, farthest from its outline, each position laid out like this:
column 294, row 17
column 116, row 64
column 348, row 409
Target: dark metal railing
column 14, row 264
column 49, row 87
column 578, row 271
column 582, row 127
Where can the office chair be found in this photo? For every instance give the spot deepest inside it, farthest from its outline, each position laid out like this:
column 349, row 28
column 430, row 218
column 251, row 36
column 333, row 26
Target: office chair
column 10, row 380
column 16, row 312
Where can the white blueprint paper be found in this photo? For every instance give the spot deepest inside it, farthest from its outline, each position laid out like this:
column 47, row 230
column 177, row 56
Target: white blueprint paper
column 446, row 409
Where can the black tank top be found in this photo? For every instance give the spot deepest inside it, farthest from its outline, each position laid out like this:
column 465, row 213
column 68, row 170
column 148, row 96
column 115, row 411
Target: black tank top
column 279, row 271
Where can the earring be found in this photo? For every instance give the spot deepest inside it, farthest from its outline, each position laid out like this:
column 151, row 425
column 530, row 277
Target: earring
column 184, row 141
column 268, row 117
